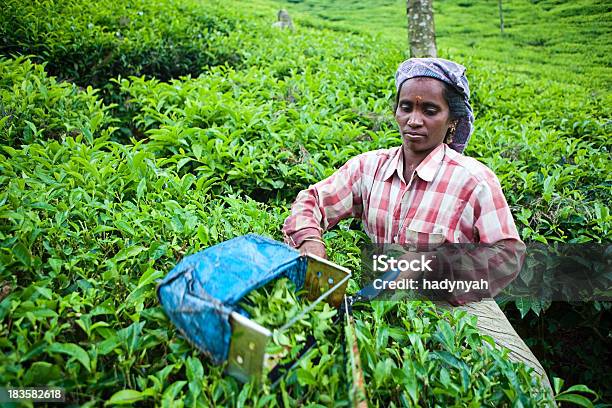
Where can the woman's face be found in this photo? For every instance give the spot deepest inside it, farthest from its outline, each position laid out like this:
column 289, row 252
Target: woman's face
column 422, row 114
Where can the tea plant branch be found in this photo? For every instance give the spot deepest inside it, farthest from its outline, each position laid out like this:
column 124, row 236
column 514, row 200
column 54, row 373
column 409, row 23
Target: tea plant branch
column 357, row 393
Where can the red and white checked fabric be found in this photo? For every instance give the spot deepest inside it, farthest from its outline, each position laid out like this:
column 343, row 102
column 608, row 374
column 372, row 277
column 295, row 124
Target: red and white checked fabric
column 449, row 198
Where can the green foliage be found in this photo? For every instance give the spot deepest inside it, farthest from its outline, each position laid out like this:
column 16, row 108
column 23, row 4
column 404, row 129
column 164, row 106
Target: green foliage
column 250, row 128
column 35, row 106
column 84, row 238
column 414, row 355
column 563, row 40
column 571, row 394
column 281, row 309
column 561, row 333
column 88, row 43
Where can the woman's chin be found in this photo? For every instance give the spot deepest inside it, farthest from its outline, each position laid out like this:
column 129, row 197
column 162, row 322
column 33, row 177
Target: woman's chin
column 417, row 142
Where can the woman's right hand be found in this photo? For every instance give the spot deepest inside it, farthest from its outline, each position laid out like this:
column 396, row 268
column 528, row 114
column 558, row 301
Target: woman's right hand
column 314, row 248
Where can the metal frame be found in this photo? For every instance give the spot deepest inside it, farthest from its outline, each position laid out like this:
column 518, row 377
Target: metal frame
column 247, row 354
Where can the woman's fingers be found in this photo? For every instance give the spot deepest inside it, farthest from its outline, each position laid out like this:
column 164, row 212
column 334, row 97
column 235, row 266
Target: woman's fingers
column 314, row 248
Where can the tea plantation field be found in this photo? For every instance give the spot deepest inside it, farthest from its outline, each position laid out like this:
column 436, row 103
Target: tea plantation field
column 134, row 133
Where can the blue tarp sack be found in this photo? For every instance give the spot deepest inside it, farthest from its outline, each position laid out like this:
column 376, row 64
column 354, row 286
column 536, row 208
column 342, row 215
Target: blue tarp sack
column 203, row 289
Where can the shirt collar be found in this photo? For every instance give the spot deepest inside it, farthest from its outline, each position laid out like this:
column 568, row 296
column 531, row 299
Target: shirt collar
column 429, row 166
column 426, row 170
column 395, row 165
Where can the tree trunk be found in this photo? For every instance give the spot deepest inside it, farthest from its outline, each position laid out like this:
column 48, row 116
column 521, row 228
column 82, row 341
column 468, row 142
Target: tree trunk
column 501, row 16
column 421, row 31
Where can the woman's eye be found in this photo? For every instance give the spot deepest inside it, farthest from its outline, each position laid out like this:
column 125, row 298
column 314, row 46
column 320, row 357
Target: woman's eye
column 431, row 111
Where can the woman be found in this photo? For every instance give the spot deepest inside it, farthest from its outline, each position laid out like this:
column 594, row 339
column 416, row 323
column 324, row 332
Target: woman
column 423, row 193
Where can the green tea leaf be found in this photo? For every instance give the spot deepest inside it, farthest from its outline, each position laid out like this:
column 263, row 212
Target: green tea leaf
column 574, row 399
column 73, row 351
column 128, row 252
column 42, row 372
column 125, row 397
column 22, row 253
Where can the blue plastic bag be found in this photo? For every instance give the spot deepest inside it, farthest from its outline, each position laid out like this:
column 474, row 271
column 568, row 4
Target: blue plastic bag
column 203, row 289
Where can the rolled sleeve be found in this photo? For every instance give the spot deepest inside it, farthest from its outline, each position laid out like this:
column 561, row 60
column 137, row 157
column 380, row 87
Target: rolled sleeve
column 492, row 216
column 324, row 204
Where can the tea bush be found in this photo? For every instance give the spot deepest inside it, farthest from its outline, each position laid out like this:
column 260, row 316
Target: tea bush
column 414, row 356
column 88, row 43
column 84, row 238
column 35, row 106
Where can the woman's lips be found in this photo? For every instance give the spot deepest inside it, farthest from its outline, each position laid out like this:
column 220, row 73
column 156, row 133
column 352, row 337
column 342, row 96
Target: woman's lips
column 414, row 135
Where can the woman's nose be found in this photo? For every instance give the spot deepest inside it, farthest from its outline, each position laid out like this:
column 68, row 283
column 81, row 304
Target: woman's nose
column 414, row 119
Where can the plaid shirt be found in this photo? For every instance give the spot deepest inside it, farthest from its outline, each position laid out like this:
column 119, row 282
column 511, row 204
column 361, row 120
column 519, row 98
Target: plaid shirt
column 449, row 198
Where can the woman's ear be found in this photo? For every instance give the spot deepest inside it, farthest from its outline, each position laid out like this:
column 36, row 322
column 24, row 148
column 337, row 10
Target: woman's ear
column 450, row 133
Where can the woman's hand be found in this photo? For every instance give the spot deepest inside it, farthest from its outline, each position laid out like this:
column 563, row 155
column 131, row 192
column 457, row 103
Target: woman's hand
column 313, row 247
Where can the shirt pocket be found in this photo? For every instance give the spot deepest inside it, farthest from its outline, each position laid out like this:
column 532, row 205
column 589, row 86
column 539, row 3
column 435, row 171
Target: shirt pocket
column 424, row 237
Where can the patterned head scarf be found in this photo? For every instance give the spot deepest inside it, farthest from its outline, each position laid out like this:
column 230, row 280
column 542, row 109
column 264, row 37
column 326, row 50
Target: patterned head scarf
column 450, row 73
